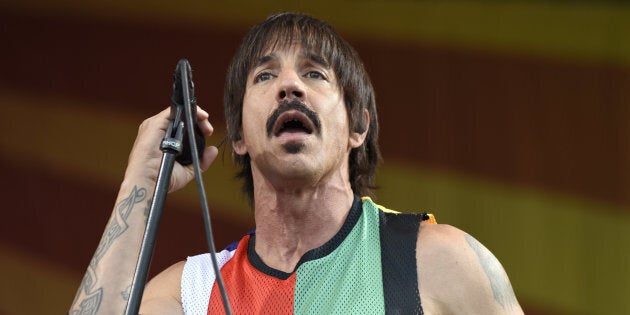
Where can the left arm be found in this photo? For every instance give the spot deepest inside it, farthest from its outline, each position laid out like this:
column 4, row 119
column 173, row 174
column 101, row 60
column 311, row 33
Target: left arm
column 458, row 275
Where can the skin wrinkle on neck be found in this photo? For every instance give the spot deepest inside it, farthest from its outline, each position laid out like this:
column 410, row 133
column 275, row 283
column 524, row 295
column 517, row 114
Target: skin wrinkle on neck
column 293, row 222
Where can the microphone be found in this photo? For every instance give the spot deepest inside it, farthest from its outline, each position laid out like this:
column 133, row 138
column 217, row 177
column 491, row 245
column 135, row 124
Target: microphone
column 183, row 86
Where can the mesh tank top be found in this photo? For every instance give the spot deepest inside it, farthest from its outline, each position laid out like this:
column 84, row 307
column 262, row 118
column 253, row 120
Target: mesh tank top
column 368, row 267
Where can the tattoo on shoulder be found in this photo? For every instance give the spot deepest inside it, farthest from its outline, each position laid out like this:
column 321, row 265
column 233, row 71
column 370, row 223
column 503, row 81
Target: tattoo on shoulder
column 500, row 284
column 89, row 296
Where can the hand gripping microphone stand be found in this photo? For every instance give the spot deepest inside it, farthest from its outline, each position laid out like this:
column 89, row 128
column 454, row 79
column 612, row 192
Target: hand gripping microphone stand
column 182, row 102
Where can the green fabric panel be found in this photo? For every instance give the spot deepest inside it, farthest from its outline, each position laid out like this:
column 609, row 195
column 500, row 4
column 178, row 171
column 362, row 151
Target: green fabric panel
column 347, row 281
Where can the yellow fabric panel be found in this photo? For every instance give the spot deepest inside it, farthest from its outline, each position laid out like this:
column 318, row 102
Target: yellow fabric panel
column 431, row 219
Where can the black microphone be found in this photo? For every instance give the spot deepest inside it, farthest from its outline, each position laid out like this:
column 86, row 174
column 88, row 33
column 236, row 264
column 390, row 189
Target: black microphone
column 183, row 72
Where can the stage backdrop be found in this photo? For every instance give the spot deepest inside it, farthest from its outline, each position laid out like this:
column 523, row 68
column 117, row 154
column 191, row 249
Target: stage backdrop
column 509, row 120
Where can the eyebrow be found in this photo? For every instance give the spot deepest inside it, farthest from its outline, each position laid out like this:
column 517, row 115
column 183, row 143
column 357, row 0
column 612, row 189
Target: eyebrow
column 308, row 55
column 317, row 59
column 265, row 59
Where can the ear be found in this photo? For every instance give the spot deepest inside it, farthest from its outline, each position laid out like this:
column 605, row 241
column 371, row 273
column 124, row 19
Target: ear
column 239, row 146
column 356, row 139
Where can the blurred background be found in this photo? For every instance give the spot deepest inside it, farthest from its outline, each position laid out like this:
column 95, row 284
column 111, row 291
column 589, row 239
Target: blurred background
column 509, row 120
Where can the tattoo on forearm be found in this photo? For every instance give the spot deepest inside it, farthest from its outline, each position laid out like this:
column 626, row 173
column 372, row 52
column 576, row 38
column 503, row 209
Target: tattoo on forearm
column 147, row 210
column 126, row 293
column 91, row 296
column 501, row 287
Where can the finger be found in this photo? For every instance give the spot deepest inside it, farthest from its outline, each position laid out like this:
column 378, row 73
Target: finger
column 159, row 121
column 202, row 114
column 165, row 114
column 209, row 155
column 206, row 127
column 203, row 122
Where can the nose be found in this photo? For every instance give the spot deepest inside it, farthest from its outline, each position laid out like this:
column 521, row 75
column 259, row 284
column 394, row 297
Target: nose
column 290, row 87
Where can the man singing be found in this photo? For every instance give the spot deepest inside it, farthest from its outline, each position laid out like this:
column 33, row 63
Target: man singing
column 302, row 124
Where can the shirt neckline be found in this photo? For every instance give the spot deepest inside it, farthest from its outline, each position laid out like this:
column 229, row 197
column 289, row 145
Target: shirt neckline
column 313, row 254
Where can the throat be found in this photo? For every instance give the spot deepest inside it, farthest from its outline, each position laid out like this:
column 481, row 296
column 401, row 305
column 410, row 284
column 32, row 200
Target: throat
column 281, row 249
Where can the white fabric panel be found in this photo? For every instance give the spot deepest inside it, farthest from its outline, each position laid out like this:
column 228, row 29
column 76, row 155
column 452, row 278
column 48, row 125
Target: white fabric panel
column 197, row 281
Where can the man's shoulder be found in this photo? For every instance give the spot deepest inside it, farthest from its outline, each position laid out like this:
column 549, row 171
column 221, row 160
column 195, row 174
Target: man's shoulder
column 440, row 235
column 458, row 273
column 439, row 242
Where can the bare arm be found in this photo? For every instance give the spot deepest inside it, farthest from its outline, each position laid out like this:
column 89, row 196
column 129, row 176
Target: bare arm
column 162, row 294
column 105, row 286
column 493, row 272
column 458, row 275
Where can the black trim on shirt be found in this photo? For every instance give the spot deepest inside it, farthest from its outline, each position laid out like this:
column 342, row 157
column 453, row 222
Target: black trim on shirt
column 353, row 217
column 399, row 236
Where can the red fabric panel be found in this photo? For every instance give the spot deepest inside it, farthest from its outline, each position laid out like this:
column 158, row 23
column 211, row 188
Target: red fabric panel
column 251, row 291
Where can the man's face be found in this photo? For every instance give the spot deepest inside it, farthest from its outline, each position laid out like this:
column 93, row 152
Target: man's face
column 295, row 124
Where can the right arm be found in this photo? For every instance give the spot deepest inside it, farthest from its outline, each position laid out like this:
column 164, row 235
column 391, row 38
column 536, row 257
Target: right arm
column 107, row 281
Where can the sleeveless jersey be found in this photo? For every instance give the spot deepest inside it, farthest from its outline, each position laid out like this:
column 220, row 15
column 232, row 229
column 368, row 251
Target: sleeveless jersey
column 368, row 267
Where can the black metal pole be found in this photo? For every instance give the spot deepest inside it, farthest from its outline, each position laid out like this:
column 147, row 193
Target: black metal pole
column 150, row 233
column 172, row 147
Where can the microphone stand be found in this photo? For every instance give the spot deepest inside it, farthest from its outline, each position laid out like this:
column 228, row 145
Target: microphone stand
column 171, row 147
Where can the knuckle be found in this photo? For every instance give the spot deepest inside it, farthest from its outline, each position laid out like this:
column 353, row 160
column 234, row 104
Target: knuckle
column 145, row 124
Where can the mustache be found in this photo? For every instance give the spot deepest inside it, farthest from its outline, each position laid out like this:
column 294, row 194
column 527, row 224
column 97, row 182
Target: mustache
column 292, row 105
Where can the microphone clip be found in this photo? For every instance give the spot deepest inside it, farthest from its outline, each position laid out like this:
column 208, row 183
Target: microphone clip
column 176, row 138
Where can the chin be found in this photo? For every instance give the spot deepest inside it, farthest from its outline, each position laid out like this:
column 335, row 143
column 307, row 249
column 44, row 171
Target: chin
column 295, row 166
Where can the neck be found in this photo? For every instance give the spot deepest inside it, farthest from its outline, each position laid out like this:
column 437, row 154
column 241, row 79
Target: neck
column 291, row 221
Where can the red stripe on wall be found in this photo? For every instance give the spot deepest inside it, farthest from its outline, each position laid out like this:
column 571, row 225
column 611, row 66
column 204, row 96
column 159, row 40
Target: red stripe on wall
column 550, row 124
column 539, row 122
column 61, row 220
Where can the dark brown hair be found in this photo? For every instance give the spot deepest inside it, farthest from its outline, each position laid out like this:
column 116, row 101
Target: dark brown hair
column 282, row 30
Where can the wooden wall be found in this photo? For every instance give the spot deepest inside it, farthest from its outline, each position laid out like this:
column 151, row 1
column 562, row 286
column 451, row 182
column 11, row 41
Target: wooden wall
column 509, row 120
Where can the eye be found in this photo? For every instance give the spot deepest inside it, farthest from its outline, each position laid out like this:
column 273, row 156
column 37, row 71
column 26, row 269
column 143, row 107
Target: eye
column 315, row 75
column 264, row 76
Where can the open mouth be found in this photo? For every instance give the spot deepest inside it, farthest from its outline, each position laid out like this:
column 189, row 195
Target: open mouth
column 293, row 122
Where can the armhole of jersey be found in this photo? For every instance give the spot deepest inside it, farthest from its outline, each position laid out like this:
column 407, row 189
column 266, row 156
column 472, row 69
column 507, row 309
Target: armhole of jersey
column 198, row 279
